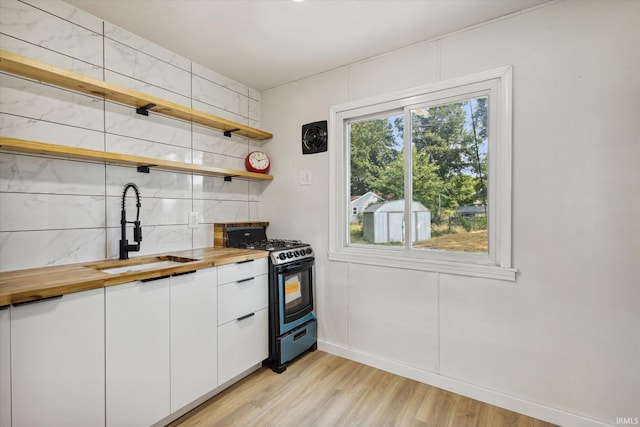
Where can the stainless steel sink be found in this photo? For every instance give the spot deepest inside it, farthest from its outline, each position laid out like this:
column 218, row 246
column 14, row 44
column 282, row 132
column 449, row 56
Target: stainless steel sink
column 144, row 264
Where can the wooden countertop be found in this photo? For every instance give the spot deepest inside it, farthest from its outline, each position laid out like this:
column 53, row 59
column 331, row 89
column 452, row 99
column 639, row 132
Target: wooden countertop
column 45, row 282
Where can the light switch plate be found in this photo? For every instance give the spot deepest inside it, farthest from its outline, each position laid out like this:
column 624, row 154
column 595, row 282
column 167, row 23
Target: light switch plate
column 305, row 177
column 193, row 219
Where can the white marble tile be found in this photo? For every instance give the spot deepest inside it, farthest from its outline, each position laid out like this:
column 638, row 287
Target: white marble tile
column 69, row 13
column 139, row 147
column 129, row 62
column 53, row 133
column 213, row 141
column 254, row 212
column 216, row 188
column 219, row 112
column 220, row 97
column 30, row 249
column 30, row 174
column 38, row 101
column 138, row 43
column 203, row 236
column 254, row 111
column 254, row 94
column 255, row 124
column 47, row 56
column 36, row 26
column 256, row 188
column 123, row 120
column 157, row 183
column 219, row 79
column 155, row 239
column 23, row 211
column 153, row 211
column 146, row 88
column 217, row 160
column 221, row 210
column 256, row 145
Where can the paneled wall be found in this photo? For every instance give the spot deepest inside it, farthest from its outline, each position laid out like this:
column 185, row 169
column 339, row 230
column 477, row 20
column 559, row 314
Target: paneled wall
column 561, row 342
column 55, row 211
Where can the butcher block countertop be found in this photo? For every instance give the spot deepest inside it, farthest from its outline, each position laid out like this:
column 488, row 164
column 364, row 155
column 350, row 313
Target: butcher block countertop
column 20, row 286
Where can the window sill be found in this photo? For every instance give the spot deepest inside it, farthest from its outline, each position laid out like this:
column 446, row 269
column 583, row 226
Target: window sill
column 447, row 267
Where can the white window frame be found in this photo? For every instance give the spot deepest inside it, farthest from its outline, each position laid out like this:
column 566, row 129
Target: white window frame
column 496, row 84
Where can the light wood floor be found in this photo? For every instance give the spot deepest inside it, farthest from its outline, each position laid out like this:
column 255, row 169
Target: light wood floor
column 321, row 389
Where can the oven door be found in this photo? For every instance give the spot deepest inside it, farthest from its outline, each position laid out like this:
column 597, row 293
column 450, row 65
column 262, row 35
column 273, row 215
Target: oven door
column 295, row 294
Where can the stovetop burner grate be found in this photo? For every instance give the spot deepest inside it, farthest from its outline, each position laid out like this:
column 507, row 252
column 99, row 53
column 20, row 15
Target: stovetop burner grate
column 271, row 244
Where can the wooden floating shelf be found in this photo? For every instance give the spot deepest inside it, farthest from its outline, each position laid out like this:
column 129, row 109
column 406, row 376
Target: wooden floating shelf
column 31, row 68
column 32, row 147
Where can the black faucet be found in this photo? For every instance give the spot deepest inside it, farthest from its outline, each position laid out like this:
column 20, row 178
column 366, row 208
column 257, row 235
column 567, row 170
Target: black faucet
column 125, row 247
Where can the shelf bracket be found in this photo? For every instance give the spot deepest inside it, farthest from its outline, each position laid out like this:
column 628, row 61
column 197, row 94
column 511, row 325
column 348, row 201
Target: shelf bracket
column 227, row 133
column 144, row 110
column 144, row 168
column 228, row 178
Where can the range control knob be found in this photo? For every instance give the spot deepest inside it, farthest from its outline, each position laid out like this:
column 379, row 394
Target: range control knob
column 282, row 256
column 296, row 253
column 289, row 255
column 309, row 251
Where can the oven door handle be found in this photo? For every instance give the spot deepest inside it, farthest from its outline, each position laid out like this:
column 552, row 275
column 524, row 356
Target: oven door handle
column 300, row 265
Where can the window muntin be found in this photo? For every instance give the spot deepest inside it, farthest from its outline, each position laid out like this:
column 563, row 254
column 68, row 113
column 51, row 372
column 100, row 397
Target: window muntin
column 495, row 261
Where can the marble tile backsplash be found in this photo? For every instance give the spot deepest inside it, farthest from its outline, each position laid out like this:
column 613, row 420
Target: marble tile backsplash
column 59, row 211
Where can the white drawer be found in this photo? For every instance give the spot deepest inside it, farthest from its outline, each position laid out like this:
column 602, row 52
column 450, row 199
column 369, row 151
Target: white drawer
column 242, row 344
column 238, row 299
column 242, row 270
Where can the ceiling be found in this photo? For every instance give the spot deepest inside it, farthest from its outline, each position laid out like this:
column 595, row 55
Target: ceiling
column 266, row 43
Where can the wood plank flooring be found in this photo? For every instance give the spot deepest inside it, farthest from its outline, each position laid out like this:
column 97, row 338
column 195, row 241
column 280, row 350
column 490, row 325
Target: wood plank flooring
column 321, row 389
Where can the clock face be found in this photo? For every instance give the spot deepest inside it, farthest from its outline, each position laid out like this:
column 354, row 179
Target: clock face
column 257, row 161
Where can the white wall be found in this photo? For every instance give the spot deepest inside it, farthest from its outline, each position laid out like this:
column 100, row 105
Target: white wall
column 562, row 342
column 55, row 211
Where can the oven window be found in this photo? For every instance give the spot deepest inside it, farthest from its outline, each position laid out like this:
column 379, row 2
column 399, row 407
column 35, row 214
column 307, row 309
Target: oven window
column 297, row 294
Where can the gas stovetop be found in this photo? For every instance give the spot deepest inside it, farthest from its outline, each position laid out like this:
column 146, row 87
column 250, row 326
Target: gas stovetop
column 282, row 251
column 271, row 244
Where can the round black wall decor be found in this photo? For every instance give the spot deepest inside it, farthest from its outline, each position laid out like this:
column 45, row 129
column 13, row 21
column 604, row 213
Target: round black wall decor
column 314, row 137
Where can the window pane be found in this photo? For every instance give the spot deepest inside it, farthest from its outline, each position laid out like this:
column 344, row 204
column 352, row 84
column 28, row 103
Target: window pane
column 377, row 181
column 449, row 153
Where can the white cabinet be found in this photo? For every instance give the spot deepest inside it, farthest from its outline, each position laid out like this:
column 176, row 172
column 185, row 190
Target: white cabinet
column 243, row 297
column 194, row 343
column 242, row 344
column 243, row 321
column 5, row 367
column 137, row 353
column 57, row 361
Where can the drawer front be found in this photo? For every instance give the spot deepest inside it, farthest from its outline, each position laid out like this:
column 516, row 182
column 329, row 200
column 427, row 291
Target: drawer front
column 238, row 299
column 241, row 270
column 242, row 344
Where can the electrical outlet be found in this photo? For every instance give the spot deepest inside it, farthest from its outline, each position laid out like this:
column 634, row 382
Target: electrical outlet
column 193, row 219
column 305, row 177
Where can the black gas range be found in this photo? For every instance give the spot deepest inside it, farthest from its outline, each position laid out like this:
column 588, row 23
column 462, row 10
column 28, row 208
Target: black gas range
column 282, row 251
column 292, row 323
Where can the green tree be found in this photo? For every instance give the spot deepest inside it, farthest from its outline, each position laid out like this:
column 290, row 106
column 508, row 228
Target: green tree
column 427, row 183
column 373, row 146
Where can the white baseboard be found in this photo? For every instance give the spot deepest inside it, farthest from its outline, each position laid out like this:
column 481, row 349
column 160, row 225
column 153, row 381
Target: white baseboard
column 512, row 403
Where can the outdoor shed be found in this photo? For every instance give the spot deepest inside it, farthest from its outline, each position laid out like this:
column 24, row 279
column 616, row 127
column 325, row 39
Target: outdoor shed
column 384, row 222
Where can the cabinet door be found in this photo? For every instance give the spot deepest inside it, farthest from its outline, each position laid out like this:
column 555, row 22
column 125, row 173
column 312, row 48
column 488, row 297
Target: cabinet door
column 240, row 298
column 194, row 331
column 242, row 343
column 137, row 353
column 57, row 361
column 242, row 270
column 5, row 367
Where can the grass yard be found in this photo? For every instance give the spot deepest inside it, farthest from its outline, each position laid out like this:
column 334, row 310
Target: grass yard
column 464, row 241
column 456, row 239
